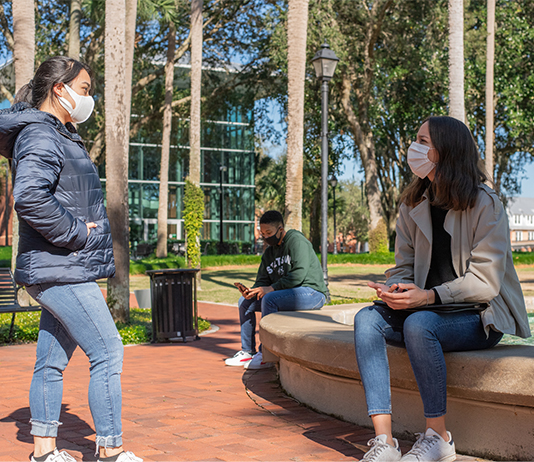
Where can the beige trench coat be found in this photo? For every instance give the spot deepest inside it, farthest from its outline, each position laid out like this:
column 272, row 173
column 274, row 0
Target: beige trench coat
column 481, row 255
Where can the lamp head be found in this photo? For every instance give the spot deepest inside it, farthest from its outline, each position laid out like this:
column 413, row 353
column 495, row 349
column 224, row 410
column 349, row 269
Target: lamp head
column 325, row 62
column 333, row 181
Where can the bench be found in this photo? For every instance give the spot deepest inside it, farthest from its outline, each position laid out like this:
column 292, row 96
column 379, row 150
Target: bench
column 144, row 250
column 490, row 392
column 9, row 298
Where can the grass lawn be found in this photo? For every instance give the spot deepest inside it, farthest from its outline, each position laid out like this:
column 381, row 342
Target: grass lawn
column 347, row 283
column 348, row 277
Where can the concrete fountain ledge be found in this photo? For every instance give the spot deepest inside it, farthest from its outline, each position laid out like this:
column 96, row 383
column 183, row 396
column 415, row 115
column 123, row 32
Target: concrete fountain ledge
column 490, row 392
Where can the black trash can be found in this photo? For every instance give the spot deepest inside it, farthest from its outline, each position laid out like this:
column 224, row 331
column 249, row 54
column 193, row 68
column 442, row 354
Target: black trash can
column 174, row 305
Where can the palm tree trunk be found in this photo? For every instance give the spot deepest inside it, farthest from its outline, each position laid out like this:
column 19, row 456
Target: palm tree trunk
column 161, row 250
column 197, row 24
column 490, row 58
column 117, row 161
column 74, row 28
column 196, row 82
column 297, row 27
column 131, row 22
column 456, row 60
column 24, row 55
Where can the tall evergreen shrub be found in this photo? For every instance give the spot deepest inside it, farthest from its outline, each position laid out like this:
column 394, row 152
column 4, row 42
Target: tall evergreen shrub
column 193, row 216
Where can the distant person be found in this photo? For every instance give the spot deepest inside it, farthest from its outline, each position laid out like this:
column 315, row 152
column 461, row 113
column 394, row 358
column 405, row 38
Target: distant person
column 290, row 278
column 452, row 246
column 64, row 247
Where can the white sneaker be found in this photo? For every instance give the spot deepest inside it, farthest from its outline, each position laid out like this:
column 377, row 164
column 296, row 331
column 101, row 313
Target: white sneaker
column 57, row 456
column 431, row 447
column 241, row 358
column 381, row 451
column 127, row 456
column 257, row 362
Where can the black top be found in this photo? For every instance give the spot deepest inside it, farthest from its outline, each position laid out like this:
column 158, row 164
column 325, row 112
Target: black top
column 441, row 267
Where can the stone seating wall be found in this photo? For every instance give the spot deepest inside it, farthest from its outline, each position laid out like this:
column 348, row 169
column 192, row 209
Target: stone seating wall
column 490, row 392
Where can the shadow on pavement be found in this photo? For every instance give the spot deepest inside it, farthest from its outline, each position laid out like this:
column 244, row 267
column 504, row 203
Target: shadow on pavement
column 322, row 429
column 73, row 433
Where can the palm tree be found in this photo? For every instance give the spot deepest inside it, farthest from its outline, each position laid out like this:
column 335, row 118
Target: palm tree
column 196, row 82
column 197, row 24
column 490, row 58
column 117, row 137
column 161, row 250
column 456, row 60
column 74, row 28
column 131, row 22
column 24, row 57
column 297, row 27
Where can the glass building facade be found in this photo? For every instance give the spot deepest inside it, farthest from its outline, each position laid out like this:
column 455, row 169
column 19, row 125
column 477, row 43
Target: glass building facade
column 227, row 143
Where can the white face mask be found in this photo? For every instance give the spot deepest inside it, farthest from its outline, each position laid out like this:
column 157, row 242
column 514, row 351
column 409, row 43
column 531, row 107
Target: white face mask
column 418, row 160
column 84, row 105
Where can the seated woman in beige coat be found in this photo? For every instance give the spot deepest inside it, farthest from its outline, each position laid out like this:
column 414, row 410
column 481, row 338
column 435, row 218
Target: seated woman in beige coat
column 452, row 247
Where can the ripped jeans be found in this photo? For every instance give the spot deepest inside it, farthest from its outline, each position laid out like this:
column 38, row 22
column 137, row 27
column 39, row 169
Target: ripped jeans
column 72, row 315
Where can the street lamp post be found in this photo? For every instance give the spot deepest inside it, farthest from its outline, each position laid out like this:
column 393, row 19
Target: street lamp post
column 333, row 183
column 222, row 169
column 324, row 62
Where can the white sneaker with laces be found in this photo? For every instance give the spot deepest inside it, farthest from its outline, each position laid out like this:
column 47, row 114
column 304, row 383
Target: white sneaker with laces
column 241, row 358
column 57, row 456
column 127, row 456
column 381, row 451
column 430, row 447
column 257, row 362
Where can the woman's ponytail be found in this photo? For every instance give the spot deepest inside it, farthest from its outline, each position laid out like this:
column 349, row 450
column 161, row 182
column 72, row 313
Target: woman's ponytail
column 24, row 95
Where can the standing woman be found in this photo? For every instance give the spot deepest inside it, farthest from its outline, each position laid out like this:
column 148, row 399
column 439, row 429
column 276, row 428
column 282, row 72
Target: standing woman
column 452, row 246
column 64, row 247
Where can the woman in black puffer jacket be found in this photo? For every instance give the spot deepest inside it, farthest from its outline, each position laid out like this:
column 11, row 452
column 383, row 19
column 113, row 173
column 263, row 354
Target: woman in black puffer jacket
column 64, row 246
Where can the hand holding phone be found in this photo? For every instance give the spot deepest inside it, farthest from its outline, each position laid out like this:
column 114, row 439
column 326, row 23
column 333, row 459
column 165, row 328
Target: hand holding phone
column 243, row 289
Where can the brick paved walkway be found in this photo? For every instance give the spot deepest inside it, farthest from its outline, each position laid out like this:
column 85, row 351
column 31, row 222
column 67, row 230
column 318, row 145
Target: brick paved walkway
column 180, row 402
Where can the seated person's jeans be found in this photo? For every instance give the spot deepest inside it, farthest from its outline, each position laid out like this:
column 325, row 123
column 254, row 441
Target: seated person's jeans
column 298, row 298
column 425, row 335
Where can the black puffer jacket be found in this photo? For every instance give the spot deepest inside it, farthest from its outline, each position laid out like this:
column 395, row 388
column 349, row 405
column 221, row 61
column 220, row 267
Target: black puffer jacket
column 56, row 191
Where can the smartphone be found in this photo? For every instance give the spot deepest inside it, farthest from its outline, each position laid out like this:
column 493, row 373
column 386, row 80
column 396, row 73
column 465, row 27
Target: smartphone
column 241, row 287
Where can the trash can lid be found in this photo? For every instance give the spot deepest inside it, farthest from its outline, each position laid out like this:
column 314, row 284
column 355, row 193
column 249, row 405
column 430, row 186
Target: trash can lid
column 172, row 271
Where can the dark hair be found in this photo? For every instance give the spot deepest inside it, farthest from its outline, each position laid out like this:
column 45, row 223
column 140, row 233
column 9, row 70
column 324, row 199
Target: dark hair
column 272, row 217
column 59, row 69
column 458, row 171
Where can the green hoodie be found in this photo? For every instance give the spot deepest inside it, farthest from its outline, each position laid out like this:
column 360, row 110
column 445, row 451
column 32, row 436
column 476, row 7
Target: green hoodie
column 291, row 264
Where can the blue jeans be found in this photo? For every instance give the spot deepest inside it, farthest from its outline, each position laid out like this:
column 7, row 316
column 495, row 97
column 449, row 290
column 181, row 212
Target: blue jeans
column 72, row 315
column 298, row 298
column 425, row 335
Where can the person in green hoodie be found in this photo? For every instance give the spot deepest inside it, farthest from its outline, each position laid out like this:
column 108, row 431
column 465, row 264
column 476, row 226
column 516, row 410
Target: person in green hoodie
column 289, row 278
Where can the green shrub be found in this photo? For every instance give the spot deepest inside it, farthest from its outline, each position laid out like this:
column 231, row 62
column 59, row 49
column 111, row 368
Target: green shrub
column 138, row 330
column 203, row 325
column 226, row 260
column 5, row 253
column 384, row 258
column 378, row 238
column 25, row 330
column 173, row 261
column 193, row 216
column 523, row 258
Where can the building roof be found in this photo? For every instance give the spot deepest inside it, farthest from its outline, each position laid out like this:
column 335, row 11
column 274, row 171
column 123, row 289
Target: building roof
column 521, row 206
